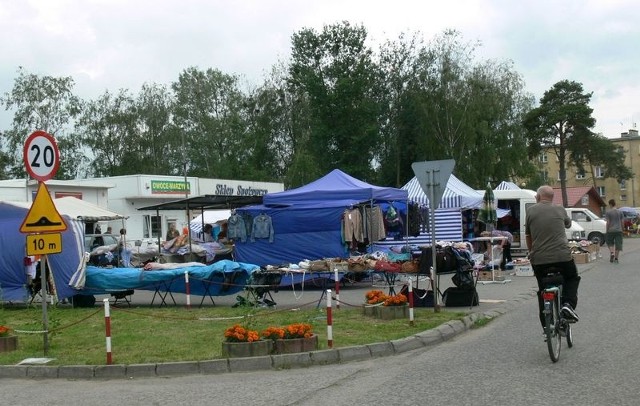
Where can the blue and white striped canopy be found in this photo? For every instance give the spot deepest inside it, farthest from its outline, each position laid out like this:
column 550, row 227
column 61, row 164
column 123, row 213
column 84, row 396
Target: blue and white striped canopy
column 457, row 195
column 504, row 185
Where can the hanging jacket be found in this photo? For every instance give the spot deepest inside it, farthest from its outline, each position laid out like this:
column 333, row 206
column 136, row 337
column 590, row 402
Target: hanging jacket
column 262, row 228
column 236, row 228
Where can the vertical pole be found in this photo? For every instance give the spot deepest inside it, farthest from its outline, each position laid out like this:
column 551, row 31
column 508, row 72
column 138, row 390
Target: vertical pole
column 432, row 220
column 329, row 321
column 411, row 322
column 337, row 281
column 44, row 266
column 107, row 326
column 188, row 289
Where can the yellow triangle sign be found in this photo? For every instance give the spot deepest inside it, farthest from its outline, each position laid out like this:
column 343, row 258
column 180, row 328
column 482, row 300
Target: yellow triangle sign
column 43, row 217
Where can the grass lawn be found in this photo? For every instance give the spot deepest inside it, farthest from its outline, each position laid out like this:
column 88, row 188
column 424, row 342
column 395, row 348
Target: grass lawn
column 153, row 335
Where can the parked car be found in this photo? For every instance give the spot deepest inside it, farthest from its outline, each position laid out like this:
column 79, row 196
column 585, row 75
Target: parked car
column 594, row 226
column 91, row 241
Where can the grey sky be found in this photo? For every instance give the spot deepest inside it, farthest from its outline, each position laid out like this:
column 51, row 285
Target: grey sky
column 113, row 44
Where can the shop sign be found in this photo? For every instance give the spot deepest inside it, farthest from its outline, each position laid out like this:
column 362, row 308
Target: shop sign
column 170, row 187
column 226, row 190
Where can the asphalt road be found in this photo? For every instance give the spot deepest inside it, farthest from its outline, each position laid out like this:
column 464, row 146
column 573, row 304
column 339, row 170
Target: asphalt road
column 504, row 363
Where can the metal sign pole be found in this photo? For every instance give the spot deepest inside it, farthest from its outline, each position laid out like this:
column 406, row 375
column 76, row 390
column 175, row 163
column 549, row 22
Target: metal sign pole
column 432, row 220
column 44, row 266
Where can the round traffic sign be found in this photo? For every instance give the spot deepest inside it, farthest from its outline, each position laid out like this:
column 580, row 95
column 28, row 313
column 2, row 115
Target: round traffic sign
column 41, row 156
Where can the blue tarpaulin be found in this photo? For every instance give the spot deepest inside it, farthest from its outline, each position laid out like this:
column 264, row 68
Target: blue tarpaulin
column 13, row 278
column 220, row 278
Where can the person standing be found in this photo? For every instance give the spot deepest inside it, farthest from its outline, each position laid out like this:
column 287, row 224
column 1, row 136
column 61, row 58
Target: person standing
column 505, row 244
column 548, row 250
column 172, row 232
column 613, row 217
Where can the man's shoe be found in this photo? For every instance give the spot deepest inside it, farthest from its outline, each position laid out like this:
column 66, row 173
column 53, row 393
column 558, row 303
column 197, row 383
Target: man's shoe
column 611, row 258
column 616, row 260
column 569, row 314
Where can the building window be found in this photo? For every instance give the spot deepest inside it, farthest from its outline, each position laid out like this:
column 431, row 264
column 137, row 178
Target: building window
column 599, row 172
column 559, row 176
column 151, row 226
column 623, row 198
column 544, row 175
column 580, row 174
column 601, row 191
column 623, row 184
column 585, row 200
column 543, row 158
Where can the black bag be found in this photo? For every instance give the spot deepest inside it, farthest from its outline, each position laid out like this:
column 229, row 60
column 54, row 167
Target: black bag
column 446, row 260
column 460, row 297
column 463, row 279
column 421, row 297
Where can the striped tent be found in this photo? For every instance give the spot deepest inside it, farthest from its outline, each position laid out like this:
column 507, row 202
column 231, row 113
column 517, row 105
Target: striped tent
column 448, row 216
column 504, row 185
column 457, row 195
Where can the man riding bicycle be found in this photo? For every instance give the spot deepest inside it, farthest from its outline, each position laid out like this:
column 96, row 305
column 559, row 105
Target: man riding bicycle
column 548, row 250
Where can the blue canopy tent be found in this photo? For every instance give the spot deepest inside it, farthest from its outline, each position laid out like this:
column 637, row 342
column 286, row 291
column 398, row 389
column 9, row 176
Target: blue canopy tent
column 307, row 221
column 13, row 278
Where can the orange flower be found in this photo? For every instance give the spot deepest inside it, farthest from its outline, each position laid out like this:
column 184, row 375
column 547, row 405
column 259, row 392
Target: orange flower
column 295, row 330
column 397, row 300
column 5, row 331
column 375, row 297
column 239, row 334
column 273, row 333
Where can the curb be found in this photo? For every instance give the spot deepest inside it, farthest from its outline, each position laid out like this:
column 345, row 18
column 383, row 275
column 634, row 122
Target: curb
column 423, row 339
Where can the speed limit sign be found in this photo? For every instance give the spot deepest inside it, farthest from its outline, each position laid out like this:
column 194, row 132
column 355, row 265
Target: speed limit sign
column 41, row 156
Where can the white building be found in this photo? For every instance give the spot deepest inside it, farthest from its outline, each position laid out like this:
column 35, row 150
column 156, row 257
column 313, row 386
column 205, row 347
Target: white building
column 126, row 194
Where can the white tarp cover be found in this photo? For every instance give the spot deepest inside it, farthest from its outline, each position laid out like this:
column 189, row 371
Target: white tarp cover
column 208, row 217
column 78, row 209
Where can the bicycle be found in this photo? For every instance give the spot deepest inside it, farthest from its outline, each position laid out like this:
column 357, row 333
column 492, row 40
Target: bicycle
column 556, row 326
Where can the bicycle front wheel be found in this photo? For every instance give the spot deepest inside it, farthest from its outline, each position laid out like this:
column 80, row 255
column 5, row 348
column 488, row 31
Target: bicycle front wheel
column 553, row 337
column 569, row 336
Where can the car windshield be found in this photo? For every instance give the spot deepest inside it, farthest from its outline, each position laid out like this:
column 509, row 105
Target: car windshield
column 97, row 240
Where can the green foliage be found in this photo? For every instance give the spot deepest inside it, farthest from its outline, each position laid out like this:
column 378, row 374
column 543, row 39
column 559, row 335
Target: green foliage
column 563, row 123
column 42, row 103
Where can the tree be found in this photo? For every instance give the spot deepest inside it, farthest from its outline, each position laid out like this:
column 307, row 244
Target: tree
column 208, row 116
column 333, row 72
column 443, row 104
column 108, row 125
column 43, row 103
column 563, row 122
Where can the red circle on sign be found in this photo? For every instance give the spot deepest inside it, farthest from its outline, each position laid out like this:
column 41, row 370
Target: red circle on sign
column 41, row 156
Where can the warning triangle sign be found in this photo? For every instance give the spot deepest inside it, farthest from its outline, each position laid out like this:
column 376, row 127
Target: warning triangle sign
column 43, row 217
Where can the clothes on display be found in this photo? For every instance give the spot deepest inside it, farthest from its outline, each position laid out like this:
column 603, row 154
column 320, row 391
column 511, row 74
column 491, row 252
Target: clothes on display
column 236, row 228
column 262, row 228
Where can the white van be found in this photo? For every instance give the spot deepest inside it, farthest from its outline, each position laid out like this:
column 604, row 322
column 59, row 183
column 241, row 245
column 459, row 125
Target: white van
column 517, row 202
column 594, row 226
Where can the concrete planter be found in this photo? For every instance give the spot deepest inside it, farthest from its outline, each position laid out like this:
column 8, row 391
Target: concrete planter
column 253, row 349
column 392, row 312
column 9, row 343
column 293, row 345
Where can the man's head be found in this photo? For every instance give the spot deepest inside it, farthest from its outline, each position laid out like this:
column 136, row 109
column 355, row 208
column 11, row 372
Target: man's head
column 612, row 202
column 544, row 193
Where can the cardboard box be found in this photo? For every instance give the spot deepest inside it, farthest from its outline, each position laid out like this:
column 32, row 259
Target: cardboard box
column 581, row 258
column 484, row 276
column 524, row 270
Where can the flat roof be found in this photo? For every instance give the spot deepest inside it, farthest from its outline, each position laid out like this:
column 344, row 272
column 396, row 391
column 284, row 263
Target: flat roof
column 211, row 202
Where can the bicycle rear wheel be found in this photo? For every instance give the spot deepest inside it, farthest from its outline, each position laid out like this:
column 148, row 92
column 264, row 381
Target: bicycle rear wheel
column 553, row 336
